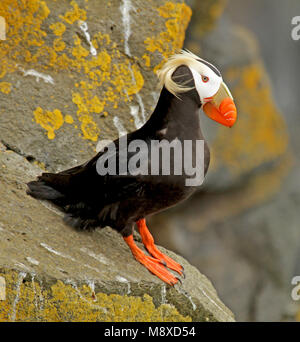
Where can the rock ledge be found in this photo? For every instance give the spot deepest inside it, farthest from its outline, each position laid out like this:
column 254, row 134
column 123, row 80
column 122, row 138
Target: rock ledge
column 50, row 272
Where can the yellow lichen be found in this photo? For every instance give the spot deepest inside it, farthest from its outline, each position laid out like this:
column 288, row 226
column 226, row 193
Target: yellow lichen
column 58, row 28
column 74, row 14
column 50, row 121
column 24, row 32
column 89, row 128
column 69, row 119
column 96, row 105
column 170, row 40
column 5, row 87
column 59, row 44
column 120, row 80
column 41, row 165
column 78, row 50
column 29, row 46
column 64, row 303
column 147, row 60
column 127, row 79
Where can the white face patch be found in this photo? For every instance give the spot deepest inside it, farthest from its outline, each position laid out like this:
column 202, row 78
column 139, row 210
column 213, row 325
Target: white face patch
column 207, row 83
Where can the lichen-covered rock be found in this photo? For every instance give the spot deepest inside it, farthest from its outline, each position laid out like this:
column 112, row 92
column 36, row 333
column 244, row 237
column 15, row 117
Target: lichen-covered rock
column 74, row 72
column 50, row 272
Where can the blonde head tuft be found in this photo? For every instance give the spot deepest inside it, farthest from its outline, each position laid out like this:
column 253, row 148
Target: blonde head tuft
column 184, row 57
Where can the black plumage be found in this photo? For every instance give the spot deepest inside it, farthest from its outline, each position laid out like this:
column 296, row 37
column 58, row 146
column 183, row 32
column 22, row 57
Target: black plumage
column 119, row 201
column 90, row 200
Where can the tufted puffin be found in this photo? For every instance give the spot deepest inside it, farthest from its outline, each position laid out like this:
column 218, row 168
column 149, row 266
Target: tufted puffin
column 90, row 198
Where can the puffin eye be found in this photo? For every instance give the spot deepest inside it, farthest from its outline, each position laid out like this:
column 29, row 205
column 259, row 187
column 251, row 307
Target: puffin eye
column 205, row 79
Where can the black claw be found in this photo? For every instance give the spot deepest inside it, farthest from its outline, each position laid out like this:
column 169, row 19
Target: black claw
column 183, row 274
column 179, row 280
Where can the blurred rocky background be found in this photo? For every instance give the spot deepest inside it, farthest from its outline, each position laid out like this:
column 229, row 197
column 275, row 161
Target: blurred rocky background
column 73, row 73
column 243, row 228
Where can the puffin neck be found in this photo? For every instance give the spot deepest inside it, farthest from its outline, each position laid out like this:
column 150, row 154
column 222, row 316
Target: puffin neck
column 171, row 110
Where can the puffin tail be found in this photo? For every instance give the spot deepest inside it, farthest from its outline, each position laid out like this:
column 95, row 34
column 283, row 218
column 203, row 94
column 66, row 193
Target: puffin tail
column 62, row 190
column 49, row 186
column 41, row 190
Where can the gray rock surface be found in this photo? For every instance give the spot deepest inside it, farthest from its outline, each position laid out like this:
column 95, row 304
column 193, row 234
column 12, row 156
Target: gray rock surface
column 37, row 246
column 81, row 72
column 72, row 75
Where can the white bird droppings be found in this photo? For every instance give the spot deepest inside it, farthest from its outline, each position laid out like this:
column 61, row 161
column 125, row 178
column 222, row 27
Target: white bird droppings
column 84, row 28
column 50, row 249
column 32, row 261
column 21, row 276
column 119, row 126
column 101, row 258
column 2, row 288
column 134, row 111
column 125, row 9
column 121, row 279
column 37, row 75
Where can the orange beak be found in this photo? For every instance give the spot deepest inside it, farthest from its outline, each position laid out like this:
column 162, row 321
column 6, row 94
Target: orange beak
column 222, row 108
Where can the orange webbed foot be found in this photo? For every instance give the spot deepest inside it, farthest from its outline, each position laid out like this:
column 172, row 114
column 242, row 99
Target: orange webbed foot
column 153, row 265
column 148, row 242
